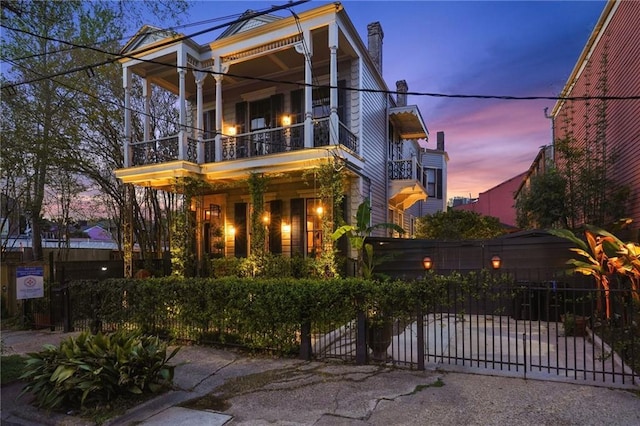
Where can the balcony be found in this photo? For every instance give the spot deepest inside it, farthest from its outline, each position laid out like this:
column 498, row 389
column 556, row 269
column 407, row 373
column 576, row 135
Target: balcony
column 247, row 145
column 407, row 182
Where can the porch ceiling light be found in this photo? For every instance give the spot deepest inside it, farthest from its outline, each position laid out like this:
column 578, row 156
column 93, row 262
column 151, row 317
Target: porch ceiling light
column 286, row 120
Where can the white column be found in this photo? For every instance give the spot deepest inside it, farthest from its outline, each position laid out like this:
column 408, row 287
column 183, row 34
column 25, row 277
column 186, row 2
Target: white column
column 334, row 125
column 199, row 77
column 306, row 49
column 220, row 70
column 182, row 102
column 126, row 84
column 146, row 94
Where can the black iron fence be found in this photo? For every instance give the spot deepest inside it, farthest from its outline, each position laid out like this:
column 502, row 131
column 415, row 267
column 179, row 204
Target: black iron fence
column 535, row 324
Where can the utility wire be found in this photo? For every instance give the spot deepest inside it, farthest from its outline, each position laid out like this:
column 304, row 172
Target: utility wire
column 108, row 100
column 118, row 56
column 128, row 37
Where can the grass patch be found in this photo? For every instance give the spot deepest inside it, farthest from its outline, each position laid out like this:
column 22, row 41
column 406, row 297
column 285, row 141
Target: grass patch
column 437, row 384
column 11, row 368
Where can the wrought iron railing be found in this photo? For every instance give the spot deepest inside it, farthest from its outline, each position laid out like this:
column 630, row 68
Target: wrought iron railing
column 263, row 142
column 246, row 145
column 165, row 149
column 410, row 169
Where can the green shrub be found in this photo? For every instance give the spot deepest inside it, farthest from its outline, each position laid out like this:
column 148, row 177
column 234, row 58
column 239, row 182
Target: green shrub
column 92, row 369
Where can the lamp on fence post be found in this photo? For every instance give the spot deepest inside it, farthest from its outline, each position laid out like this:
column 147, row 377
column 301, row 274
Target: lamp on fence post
column 427, row 264
column 496, row 262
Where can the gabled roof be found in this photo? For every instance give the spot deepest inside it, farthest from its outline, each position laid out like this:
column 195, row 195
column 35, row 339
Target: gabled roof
column 145, row 36
column 248, row 24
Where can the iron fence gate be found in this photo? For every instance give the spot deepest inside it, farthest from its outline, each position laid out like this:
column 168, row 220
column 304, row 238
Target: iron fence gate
column 547, row 330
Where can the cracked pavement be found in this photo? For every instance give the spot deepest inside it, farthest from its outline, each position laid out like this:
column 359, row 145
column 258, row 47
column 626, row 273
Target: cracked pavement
column 261, row 390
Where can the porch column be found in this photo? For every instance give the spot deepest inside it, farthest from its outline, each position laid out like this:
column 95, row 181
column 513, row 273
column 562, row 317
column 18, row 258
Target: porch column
column 126, row 84
column 182, row 102
column 334, row 123
column 221, row 69
column 199, row 77
column 306, row 49
column 146, row 94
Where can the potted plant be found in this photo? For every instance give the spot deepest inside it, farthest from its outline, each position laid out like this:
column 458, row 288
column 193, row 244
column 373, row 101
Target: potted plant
column 574, row 325
column 379, row 335
column 380, row 322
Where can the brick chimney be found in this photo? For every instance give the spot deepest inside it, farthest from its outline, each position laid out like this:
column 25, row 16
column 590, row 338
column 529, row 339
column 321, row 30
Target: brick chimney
column 375, row 36
column 440, row 141
column 402, row 88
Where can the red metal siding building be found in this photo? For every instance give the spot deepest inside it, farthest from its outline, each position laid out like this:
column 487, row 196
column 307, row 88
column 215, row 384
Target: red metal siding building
column 608, row 68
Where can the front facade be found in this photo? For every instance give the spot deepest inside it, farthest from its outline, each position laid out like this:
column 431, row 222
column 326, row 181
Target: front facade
column 278, row 98
column 607, row 125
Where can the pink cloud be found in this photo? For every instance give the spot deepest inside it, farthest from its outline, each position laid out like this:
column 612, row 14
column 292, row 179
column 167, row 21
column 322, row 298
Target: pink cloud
column 493, row 143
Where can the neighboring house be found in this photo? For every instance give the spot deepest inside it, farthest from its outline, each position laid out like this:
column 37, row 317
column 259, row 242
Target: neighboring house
column 434, row 163
column 608, row 66
column 98, row 233
column 498, row 201
column 279, row 97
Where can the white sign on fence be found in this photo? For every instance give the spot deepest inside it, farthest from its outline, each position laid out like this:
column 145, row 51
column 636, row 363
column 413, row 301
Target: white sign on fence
column 29, row 282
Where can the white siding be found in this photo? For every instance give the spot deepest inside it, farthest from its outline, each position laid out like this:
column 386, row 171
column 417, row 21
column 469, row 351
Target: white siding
column 374, row 145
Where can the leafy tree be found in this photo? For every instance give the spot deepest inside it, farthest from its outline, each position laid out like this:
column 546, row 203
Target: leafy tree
column 458, row 225
column 542, row 204
column 52, row 113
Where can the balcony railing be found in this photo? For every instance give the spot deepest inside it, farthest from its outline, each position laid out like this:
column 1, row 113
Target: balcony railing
column 410, row 169
column 246, row 145
column 262, row 142
column 163, row 150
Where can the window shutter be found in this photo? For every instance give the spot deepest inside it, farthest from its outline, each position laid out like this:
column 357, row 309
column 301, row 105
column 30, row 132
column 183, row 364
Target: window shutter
column 240, row 221
column 297, row 226
column 241, row 117
column 439, row 194
column 275, row 227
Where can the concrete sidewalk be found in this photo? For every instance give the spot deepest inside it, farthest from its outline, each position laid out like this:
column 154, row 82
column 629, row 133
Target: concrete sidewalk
column 215, row 387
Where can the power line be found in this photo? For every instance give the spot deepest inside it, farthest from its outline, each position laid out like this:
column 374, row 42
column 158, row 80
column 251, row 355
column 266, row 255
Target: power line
column 127, row 37
column 108, row 100
column 118, row 56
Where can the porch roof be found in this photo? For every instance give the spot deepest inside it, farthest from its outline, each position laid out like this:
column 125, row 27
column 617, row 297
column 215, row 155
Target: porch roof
column 409, row 122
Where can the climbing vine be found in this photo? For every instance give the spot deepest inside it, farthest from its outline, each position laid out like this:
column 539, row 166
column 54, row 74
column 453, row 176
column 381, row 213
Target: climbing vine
column 330, row 190
column 182, row 239
column 257, row 187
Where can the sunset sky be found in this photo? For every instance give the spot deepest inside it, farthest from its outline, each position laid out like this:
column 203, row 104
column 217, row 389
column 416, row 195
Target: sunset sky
column 511, row 48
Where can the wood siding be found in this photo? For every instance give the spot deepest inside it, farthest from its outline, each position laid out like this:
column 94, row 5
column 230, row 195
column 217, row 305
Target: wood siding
column 374, row 143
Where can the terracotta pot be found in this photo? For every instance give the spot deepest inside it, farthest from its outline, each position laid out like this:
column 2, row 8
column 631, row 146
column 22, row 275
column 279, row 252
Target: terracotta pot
column 574, row 325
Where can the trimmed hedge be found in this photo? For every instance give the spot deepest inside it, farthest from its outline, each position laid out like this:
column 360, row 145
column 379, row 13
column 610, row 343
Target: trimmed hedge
column 254, row 313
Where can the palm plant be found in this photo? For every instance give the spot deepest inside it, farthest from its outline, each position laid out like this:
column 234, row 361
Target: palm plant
column 604, row 255
column 357, row 235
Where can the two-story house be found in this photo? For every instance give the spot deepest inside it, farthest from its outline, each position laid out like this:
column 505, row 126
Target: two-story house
column 276, row 96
